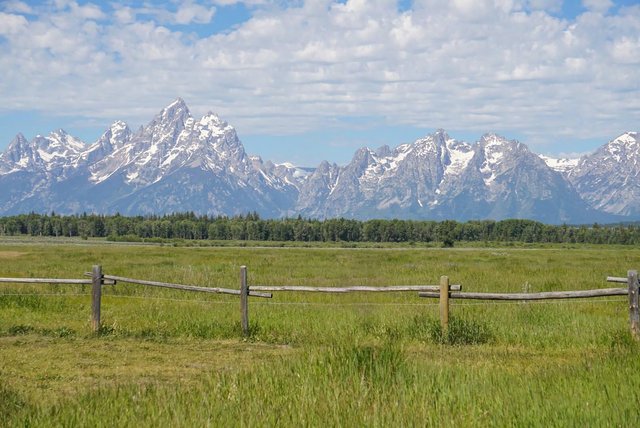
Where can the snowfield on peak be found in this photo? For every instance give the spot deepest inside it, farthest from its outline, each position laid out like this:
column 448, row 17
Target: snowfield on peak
column 180, row 163
column 562, row 165
column 460, row 154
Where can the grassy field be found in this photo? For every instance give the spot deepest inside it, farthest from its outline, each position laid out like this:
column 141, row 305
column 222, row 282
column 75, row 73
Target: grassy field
column 169, row 358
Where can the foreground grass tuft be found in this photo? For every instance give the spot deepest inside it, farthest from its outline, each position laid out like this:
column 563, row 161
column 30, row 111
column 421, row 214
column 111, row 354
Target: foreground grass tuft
column 460, row 332
column 166, row 358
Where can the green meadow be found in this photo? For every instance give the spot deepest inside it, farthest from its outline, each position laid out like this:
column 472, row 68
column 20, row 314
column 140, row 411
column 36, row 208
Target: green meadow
column 172, row 358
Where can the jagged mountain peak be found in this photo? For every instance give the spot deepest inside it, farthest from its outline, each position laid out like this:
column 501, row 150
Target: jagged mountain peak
column 364, row 152
column 119, row 132
column 609, row 178
column 51, row 157
column 629, row 141
column 383, row 151
column 363, row 158
column 623, row 148
column 168, row 123
column 116, row 137
column 212, row 119
column 58, row 149
column 441, row 135
column 630, row 137
column 178, row 162
column 438, row 140
column 174, row 140
column 496, row 148
column 60, row 139
column 118, row 126
column 213, row 129
column 325, row 166
column 18, row 141
column 177, row 108
column 425, row 146
column 492, row 138
column 18, row 155
column 496, row 145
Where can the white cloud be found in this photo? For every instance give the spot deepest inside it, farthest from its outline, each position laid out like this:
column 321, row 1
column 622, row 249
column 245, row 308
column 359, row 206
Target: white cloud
column 16, row 7
column 547, row 5
column 124, row 14
column 597, row 5
column 11, row 24
column 189, row 12
column 185, row 13
column 88, row 11
column 627, row 50
column 474, row 66
column 246, row 2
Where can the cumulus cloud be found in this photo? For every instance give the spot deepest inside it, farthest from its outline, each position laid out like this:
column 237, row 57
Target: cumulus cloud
column 189, row 12
column 184, row 13
column 17, row 7
column 11, row 24
column 598, row 5
column 546, row 5
column 88, row 11
column 508, row 66
column 124, row 14
column 245, row 2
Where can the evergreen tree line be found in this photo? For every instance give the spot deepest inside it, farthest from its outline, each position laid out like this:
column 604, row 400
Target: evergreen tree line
column 252, row 227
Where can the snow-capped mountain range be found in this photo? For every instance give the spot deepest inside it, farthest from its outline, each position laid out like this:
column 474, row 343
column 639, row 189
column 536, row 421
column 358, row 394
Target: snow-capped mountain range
column 180, row 163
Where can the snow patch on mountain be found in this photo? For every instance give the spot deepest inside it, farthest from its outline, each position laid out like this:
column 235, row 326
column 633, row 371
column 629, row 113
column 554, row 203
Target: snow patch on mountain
column 177, row 162
column 609, row 178
column 562, row 165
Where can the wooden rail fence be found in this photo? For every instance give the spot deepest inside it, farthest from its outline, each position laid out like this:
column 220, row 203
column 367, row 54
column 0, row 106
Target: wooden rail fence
column 631, row 290
column 99, row 279
column 444, row 291
column 352, row 289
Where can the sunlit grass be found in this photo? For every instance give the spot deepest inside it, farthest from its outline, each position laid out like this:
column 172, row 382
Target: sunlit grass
column 164, row 357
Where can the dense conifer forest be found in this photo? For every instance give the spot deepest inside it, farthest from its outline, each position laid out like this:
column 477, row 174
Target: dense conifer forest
column 251, row 227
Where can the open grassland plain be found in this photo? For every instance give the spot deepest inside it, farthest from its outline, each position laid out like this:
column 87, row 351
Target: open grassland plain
column 170, row 358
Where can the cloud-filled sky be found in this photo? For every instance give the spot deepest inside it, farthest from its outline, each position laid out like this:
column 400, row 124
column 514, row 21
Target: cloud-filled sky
column 308, row 80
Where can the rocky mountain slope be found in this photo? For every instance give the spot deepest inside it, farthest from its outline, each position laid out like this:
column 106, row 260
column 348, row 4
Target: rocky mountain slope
column 175, row 163
column 609, row 179
column 180, row 163
column 441, row 178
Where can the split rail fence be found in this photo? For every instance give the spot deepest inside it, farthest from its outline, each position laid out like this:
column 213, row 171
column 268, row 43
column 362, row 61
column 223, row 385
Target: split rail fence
column 444, row 291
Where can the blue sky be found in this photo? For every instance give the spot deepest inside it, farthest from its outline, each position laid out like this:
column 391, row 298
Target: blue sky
column 309, row 80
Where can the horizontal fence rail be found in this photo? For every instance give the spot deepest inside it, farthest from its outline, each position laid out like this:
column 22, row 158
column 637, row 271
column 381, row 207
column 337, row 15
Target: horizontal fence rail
column 45, row 281
column 548, row 295
column 215, row 290
column 444, row 292
column 352, row 289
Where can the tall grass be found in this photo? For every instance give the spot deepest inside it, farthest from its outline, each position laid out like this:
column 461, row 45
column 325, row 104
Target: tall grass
column 375, row 385
column 164, row 357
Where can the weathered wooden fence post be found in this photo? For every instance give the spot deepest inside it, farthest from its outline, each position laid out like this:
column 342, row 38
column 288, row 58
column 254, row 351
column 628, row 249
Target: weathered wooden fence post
column 244, row 300
column 96, row 296
column 634, row 313
column 444, row 303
